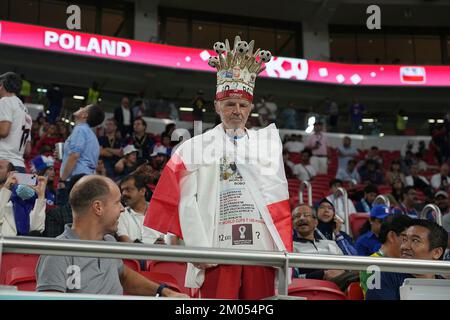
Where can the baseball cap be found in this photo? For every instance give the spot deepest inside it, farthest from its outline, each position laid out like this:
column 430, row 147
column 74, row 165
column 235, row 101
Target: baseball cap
column 129, row 149
column 441, row 193
column 380, row 211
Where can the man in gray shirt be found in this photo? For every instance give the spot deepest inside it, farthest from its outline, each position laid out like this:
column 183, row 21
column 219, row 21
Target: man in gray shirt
column 96, row 207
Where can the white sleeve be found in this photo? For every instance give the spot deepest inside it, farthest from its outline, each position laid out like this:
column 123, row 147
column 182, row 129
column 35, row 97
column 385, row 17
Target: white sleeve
column 149, row 235
column 37, row 216
column 6, row 112
column 5, row 195
column 122, row 229
column 435, row 181
column 351, row 207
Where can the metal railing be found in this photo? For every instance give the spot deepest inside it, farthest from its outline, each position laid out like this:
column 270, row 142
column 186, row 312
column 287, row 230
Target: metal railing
column 431, row 207
column 282, row 260
column 383, row 199
column 308, row 186
column 344, row 194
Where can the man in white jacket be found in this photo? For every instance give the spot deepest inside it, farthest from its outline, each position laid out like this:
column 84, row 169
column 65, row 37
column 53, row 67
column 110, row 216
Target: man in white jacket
column 7, row 218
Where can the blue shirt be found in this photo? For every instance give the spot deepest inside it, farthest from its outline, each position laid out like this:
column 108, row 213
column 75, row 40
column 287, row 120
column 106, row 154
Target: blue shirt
column 84, row 142
column 367, row 244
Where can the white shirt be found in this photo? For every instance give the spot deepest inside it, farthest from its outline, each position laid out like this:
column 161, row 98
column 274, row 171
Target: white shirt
column 294, row 146
column 13, row 146
column 436, row 181
column 126, row 116
column 304, row 173
column 409, row 180
column 7, row 221
column 131, row 224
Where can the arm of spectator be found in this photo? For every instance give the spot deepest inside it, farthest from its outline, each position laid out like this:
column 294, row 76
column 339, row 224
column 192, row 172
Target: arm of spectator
column 37, row 215
column 116, row 152
column 51, row 273
column 119, row 166
column 150, row 236
column 105, row 152
column 28, row 148
column 347, row 248
column 70, row 165
column 136, row 284
column 5, row 193
column 5, row 128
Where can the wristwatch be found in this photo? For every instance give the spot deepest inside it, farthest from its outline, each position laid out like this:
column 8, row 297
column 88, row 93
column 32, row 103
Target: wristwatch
column 160, row 289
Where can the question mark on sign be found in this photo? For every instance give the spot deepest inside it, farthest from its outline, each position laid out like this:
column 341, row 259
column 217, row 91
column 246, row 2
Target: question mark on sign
column 257, row 234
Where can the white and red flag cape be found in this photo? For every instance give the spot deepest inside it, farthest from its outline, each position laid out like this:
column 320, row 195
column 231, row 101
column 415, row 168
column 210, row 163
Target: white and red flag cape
column 186, row 200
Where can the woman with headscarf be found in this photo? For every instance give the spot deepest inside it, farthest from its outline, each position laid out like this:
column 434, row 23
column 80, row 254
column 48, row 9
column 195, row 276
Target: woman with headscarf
column 329, row 227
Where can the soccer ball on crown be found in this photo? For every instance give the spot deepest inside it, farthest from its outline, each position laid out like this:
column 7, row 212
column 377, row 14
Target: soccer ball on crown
column 242, row 47
column 213, row 61
column 219, row 47
column 265, row 56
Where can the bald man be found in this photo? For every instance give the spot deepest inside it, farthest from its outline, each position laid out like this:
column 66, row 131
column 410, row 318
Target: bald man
column 96, row 207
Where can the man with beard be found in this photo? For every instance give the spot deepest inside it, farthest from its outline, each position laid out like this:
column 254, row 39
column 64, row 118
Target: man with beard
column 425, row 240
column 131, row 229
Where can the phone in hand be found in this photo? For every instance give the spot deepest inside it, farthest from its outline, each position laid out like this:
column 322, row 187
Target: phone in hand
column 26, row 179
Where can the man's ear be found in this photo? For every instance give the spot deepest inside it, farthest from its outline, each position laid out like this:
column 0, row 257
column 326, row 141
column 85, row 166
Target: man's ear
column 217, row 107
column 97, row 205
column 436, row 253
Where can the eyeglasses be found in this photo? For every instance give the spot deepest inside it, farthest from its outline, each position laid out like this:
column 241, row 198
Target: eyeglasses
column 306, row 216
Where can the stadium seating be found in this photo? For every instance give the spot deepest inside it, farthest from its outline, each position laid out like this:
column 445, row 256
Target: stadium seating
column 160, row 278
column 357, row 220
column 24, row 278
column 132, row 264
column 12, row 260
column 176, row 269
column 315, row 290
column 354, row 292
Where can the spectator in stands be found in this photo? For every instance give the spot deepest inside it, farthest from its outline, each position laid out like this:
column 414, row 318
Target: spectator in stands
column 306, row 240
column 337, row 199
column 55, row 98
column 304, row 171
column 272, row 107
column 396, row 195
column 350, row 173
column 417, row 181
column 333, row 114
column 129, row 162
column 96, row 209
column 131, row 228
column 401, row 121
column 294, row 143
column 288, row 165
column 81, row 149
column 330, row 227
column 58, row 217
column 410, row 200
column 25, row 92
column 407, row 161
column 318, row 143
column 141, row 140
column 198, row 104
column 124, row 118
column 441, row 180
column 441, row 200
column 263, row 112
column 392, row 231
column 63, row 130
column 365, row 204
column 163, row 147
column 374, row 154
column 424, row 240
column 101, row 169
column 346, row 152
column 356, row 111
column 21, row 213
column 370, row 174
column 48, row 141
column 43, row 166
column 110, row 146
column 15, row 122
column 289, row 116
column 394, row 173
column 368, row 242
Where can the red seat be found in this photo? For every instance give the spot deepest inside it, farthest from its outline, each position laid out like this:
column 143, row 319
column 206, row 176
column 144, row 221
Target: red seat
column 185, row 116
column 24, row 278
column 132, row 264
column 354, row 292
column 160, row 278
column 176, row 269
column 162, row 115
column 315, row 290
column 11, row 260
column 356, row 222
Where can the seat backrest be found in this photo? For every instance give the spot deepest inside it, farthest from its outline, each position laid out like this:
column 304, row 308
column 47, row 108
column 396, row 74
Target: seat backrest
column 160, row 278
column 24, row 278
column 11, row 260
column 175, row 269
column 315, row 290
column 356, row 222
column 132, row 264
column 354, row 292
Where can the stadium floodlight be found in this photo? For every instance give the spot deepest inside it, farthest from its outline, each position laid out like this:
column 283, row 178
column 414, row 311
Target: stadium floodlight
column 440, row 120
column 254, row 115
column 368, row 120
column 431, row 121
column 405, row 118
column 78, row 97
column 47, row 112
column 381, row 134
column 41, row 90
column 203, row 110
column 186, row 109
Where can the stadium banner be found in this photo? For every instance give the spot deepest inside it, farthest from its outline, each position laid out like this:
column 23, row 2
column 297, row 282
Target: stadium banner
column 91, row 45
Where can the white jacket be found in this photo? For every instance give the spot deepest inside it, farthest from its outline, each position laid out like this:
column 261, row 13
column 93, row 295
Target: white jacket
column 7, row 221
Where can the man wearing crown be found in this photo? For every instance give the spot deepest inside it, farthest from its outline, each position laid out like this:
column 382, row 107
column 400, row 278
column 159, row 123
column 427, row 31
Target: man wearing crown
column 227, row 188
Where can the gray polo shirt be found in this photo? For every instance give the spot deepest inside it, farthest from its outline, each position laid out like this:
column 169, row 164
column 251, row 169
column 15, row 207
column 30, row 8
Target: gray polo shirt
column 79, row 274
